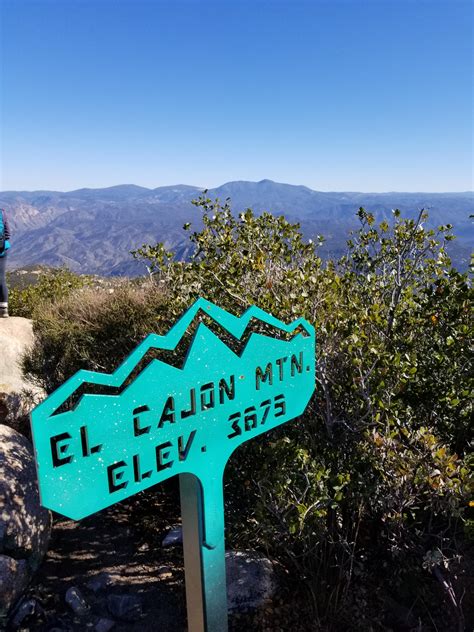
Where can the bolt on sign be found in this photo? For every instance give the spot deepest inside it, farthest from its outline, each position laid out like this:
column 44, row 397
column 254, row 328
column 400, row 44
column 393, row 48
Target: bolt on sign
column 179, row 404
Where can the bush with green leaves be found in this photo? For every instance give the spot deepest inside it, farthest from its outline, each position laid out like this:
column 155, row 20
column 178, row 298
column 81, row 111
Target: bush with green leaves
column 52, row 285
column 364, row 496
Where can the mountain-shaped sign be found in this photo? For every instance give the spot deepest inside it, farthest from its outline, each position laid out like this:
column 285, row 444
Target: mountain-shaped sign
column 170, row 420
column 154, row 418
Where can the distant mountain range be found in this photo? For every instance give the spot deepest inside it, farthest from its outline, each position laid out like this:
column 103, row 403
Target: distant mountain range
column 93, row 230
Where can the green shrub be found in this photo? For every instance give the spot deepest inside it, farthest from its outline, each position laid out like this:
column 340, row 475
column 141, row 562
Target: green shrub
column 361, row 494
column 52, row 285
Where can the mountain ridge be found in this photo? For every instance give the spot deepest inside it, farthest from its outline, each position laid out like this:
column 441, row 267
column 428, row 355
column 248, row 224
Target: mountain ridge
column 93, row 230
column 256, row 182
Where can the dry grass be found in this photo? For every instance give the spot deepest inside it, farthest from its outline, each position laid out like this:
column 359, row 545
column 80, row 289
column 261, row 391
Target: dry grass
column 93, row 329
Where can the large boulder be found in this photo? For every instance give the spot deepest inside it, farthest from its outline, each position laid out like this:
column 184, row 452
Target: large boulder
column 16, row 336
column 17, row 396
column 251, row 580
column 25, row 526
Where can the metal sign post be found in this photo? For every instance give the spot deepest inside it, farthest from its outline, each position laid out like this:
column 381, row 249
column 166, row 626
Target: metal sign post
column 101, row 438
column 202, row 510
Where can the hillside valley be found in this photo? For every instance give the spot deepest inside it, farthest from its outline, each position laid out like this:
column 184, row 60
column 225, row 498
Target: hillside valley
column 94, row 230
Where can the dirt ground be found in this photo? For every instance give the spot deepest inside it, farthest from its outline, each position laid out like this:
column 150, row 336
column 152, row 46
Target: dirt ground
column 118, row 543
column 111, row 542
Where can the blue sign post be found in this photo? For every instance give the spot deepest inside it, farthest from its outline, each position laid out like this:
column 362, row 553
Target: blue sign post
column 152, row 420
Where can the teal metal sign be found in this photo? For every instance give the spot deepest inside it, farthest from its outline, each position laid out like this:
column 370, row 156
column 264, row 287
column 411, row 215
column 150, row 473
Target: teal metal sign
column 179, row 404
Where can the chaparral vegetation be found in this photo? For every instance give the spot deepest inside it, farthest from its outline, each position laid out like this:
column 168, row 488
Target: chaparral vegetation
column 365, row 499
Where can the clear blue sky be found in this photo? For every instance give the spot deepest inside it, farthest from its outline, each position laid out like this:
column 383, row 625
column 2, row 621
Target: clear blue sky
column 338, row 95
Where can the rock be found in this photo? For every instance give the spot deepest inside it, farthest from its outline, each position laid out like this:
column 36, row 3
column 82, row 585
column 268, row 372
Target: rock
column 25, row 526
column 164, row 572
column 76, row 601
column 26, row 609
column 17, row 395
column 173, row 537
column 104, row 625
column 99, row 582
column 125, row 607
column 251, row 580
column 14, row 577
column 16, row 336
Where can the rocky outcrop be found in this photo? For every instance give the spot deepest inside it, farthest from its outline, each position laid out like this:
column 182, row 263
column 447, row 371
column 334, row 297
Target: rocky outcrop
column 16, row 336
column 251, row 580
column 17, row 396
column 25, row 526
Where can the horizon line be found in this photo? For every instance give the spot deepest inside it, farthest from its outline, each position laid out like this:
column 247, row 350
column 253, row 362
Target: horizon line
column 202, row 189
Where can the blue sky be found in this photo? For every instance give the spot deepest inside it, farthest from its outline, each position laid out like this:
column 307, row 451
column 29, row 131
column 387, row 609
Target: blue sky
column 337, row 95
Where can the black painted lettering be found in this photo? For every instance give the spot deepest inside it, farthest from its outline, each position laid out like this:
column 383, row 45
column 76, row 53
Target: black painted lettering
column 264, row 376
column 161, row 456
column 183, row 450
column 250, row 418
column 137, row 429
column 86, row 449
column 57, row 449
column 168, row 413
column 296, row 364
column 280, row 405
column 266, row 405
column 235, row 418
column 113, row 477
column 137, row 474
column 207, row 396
column 192, row 405
column 281, row 362
column 226, row 389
